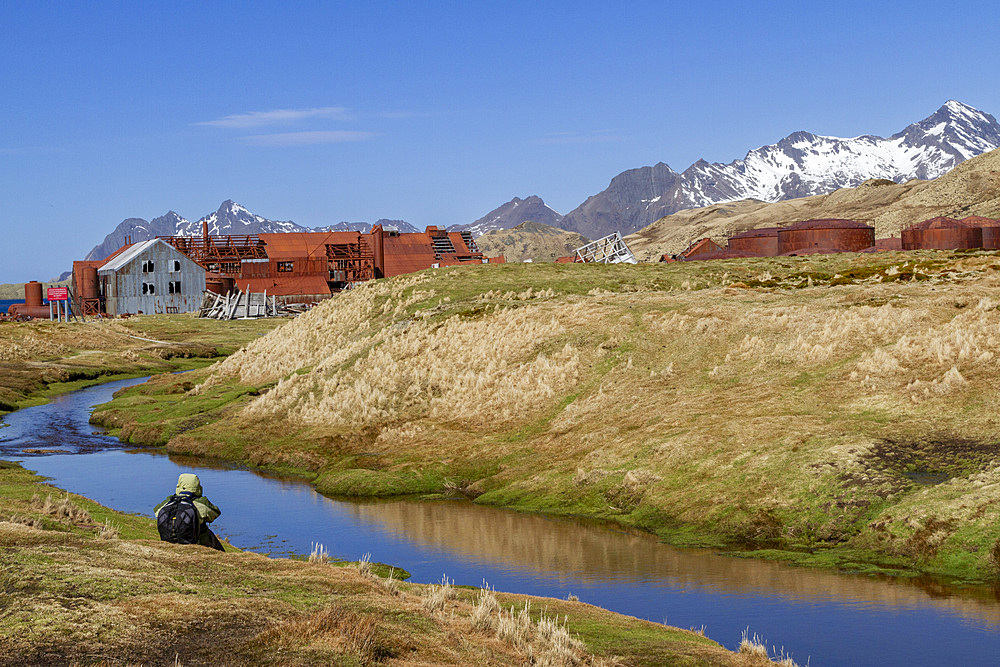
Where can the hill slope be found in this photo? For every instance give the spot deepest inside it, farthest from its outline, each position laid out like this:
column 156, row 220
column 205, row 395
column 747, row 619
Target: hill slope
column 531, row 240
column 972, row 188
column 781, row 402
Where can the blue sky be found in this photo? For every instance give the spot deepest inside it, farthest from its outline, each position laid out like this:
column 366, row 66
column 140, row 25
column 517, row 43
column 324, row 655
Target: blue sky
column 432, row 112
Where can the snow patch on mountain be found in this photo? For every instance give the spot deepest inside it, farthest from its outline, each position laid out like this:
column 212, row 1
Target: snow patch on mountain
column 800, row 165
column 231, row 218
column 512, row 214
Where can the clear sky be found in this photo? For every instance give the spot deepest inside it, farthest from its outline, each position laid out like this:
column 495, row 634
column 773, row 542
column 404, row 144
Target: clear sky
column 432, row 112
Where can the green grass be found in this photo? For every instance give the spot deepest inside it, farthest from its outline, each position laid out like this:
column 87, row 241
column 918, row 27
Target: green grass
column 746, row 447
column 81, row 599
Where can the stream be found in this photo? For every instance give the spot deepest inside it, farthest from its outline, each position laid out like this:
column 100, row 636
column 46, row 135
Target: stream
column 818, row 617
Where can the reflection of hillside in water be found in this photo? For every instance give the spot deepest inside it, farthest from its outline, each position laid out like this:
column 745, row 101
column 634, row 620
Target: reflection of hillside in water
column 594, row 554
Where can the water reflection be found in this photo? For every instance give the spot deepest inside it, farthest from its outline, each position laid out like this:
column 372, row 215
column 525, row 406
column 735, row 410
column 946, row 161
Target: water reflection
column 590, row 553
column 817, row 615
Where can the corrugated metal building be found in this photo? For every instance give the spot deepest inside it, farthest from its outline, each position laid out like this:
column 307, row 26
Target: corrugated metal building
column 151, row 277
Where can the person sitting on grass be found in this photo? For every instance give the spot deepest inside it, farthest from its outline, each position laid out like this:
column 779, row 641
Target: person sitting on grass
column 183, row 518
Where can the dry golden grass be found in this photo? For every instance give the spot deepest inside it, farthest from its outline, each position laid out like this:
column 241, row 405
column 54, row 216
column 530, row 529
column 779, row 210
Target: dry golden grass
column 81, row 600
column 797, row 416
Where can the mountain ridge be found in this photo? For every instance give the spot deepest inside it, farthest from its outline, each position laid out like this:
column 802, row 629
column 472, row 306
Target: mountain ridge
column 229, row 219
column 798, row 165
column 971, row 188
column 512, row 214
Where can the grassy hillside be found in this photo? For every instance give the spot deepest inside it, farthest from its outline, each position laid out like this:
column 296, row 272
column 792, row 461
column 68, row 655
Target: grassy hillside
column 531, row 240
column 83, row 584
column 40, row 357
column 972, row 188
column 832, row 410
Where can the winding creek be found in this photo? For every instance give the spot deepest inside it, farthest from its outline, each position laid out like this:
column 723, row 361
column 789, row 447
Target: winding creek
column 819, row 618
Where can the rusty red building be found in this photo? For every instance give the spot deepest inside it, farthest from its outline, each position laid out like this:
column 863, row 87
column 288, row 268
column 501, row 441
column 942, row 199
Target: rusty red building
column 300, row 266
column 990, row 227
column 700, row 249
column 942, row 233
column 761, row 242
column 825, row 236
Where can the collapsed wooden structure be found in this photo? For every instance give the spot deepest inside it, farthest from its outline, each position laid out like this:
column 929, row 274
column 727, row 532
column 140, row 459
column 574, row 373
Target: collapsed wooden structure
column 239, row 306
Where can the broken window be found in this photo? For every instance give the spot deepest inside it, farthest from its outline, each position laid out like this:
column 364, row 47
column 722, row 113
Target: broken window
column 147, row 266
column 148, row 288
column 175, row 265
column 174, row 287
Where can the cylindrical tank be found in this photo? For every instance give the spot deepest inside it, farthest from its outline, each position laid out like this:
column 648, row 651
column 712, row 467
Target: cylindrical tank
column 942, row 233
column 825, row 235
column 762, row 242
column 990, row 229
column 88, row 288
column 24, row 310
column 33, row 293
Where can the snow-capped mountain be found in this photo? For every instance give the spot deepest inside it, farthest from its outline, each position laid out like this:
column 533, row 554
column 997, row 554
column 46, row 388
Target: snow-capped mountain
column 230, row 218
column 512, row 214
column 138, row 230
column 799, row 165
column 365, row 227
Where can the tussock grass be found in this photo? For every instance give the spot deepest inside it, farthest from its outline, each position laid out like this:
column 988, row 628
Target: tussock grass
column 755, row 649
column 319, row 554
column 545, row 640
column 109, row 530
column 82, row 600
column 738, row 402
column 62, row 509
column 365, row 565
column 436, row 596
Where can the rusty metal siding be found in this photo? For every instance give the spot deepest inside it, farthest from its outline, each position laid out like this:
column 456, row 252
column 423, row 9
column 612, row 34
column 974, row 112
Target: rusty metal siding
column 761, row 242
column 991, row 237
column 825, row 235
column 990, row 227
column 125, row 283
column 942, row 233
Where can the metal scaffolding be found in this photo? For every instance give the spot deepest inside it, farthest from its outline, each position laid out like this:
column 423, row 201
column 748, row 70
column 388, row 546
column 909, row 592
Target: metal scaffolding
column 609, row 250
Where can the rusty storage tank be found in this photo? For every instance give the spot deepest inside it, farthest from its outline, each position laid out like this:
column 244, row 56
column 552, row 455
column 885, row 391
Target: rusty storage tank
column 762, row 242
column 32, row 306
column 33, row 293
column 88, row 283
column 827, row 235
column 942, row 233
column 991, row 230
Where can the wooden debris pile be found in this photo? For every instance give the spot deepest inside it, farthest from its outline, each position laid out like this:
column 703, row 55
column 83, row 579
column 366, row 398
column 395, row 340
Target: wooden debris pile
column 240, row 306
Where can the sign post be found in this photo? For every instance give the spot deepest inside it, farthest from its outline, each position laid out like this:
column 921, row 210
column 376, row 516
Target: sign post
column 58, row 295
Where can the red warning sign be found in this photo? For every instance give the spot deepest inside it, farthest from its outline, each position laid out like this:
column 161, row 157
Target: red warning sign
column 57, row 294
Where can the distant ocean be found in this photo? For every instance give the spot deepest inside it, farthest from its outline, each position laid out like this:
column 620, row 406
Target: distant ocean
column 6, row 302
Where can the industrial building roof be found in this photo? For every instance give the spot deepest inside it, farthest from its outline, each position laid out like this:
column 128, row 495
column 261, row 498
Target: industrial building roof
column 294, row 245
column 754, row 233
column 285, row 286
column 940, row 222
column 701, row 247
column 127, row 255
column 980, row 221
